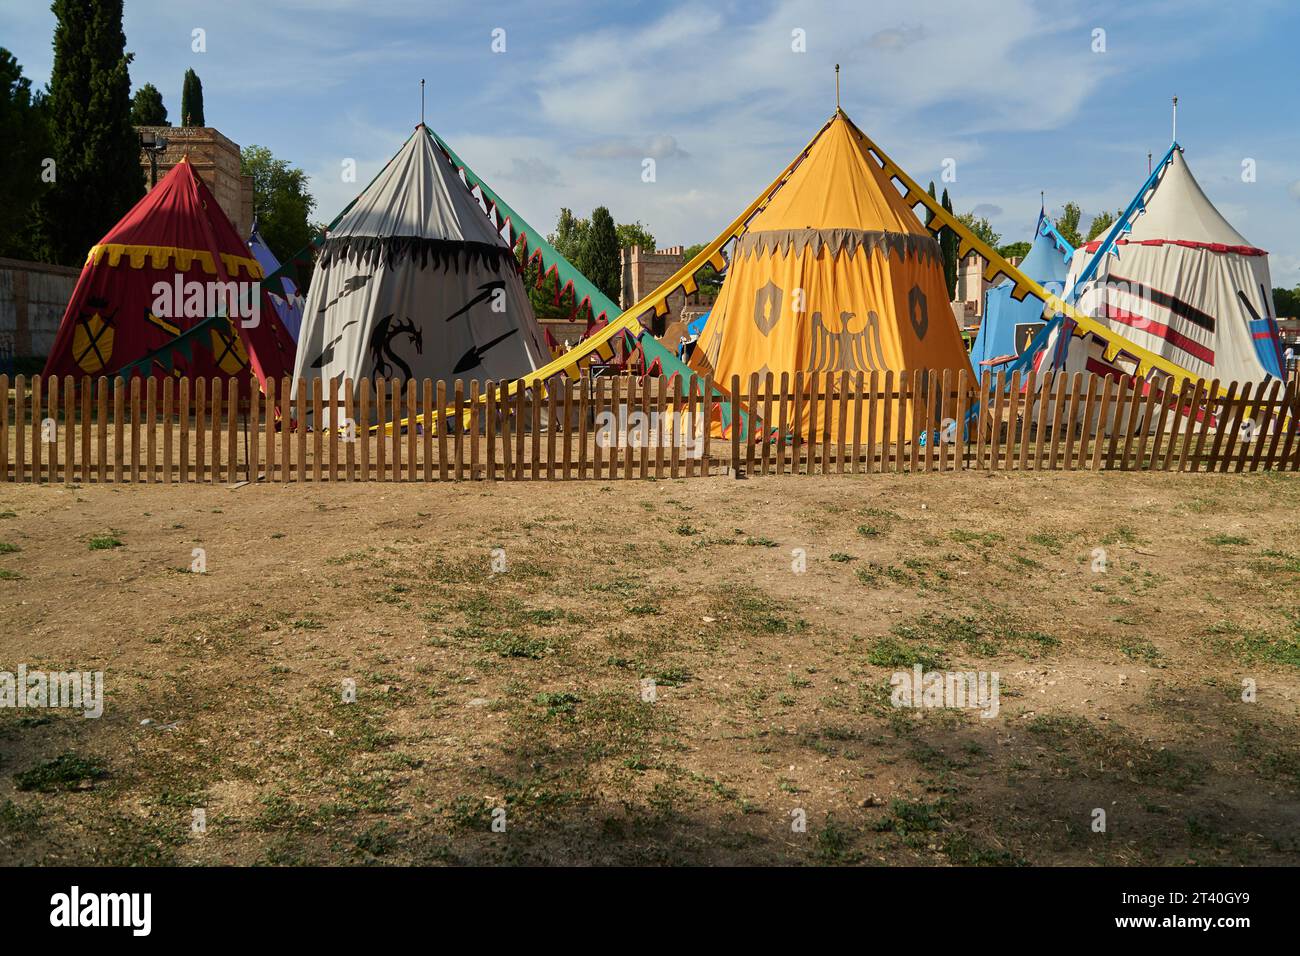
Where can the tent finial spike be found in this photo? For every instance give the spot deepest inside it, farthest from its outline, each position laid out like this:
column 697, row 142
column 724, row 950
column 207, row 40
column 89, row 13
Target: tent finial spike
column 1175, row 119
column 837, row 87
column 421, row 101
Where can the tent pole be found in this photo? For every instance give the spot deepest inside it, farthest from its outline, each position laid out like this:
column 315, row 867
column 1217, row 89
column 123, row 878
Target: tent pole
column 837, row 87
column 422, row 101
column 1175, row 119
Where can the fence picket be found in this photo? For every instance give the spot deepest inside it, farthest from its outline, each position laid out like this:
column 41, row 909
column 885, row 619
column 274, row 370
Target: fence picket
column 1280, row 424
column 566, row 413
column 362, row 430
column 873, row 388
column 70, row 430
column 999, row 414
column 35, row 427
column 964, row 386
column 1226, row 406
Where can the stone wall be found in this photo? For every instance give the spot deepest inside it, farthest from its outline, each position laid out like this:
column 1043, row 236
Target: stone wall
column 644, row 271
column 33, row 296
column 216, row 159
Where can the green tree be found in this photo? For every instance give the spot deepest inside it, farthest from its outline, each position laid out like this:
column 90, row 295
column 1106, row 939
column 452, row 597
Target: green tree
column 192, row 100
column 1067, row 224
column 1286, row 303
column 598, row 259
column 97, row 173
column 568, row 236
column 543, row 297
column 147, row 107
column 948, row 245
column 929, row 213
column 708, row 279
column 1014, row 250
column 1102, row 223
column 982, row 228
column 25, row 132
column 282, row 204
column 632, row 235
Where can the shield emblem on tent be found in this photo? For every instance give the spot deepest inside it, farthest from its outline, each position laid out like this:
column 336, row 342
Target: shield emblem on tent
column 767, row 307
column 92, row 342
column 228, row 350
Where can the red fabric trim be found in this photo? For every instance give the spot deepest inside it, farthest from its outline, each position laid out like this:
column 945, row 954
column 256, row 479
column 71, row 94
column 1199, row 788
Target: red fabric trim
column 1159, row 329
column 1186, row 243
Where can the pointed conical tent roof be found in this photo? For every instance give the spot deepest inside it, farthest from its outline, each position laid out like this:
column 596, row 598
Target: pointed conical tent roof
column 284, row 291
column 153, row 296
column 1009, row 326
column 1183, row 283
column 414, row 282
column 834, row 274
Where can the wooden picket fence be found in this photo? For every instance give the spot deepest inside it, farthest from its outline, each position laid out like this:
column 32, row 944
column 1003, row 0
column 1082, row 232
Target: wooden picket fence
column 180, row 431
column 947, row 421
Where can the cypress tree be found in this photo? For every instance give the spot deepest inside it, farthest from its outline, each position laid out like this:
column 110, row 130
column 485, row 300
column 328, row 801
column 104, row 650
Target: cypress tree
column 24, row 131
column 147, row 107
column 192, row 100
column 599, row 258
column 95, row 149
column 948, row 244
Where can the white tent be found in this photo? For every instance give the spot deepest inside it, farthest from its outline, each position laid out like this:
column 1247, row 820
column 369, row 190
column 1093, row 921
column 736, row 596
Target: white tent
column 1183, row 284
column 414, row 282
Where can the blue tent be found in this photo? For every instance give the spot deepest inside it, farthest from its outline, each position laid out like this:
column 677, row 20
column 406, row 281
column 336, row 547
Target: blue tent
column 284, row 295
column 696, row 325
column 1009, row 326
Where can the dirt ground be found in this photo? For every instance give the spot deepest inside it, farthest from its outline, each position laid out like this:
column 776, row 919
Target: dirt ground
column 1121, row 612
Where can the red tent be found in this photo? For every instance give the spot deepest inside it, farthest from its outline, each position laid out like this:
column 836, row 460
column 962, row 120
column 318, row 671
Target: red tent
column 157, row 294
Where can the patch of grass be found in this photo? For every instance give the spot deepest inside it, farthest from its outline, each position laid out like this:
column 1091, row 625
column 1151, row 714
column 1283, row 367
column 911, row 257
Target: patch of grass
column 376, row 840
column 68, row 771
column 511, row 644
column 908, row 816
column 899, row 654
column 557, row 704
column 842, row 558
column 985, row 634
column 1258, row 646
column 1226, row 540
column 1137, row 648
column 833, row 843
column 760, row 542
column 104, row 542
column 7, row 575
column 8, row 548
column 984, row 539
column 870, row 530
column 755, row 612
column 1121, row 535
column 1050, row 542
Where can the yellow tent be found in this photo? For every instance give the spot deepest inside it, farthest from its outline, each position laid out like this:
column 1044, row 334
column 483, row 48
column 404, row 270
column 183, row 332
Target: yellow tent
column 835, row 274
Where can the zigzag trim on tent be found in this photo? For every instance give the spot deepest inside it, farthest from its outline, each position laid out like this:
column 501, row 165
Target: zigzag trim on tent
column 519, row 235
column 160, row 256
column 1116, row 349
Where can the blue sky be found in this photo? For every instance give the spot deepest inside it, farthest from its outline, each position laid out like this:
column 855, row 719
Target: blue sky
column 1012, row 90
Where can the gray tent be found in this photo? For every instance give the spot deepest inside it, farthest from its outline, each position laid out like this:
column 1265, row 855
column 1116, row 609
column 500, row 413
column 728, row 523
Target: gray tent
column 414, row 282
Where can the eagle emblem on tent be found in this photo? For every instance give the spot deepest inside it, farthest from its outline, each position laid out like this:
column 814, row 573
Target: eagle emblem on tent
column 846, row 344
column 92, row 339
